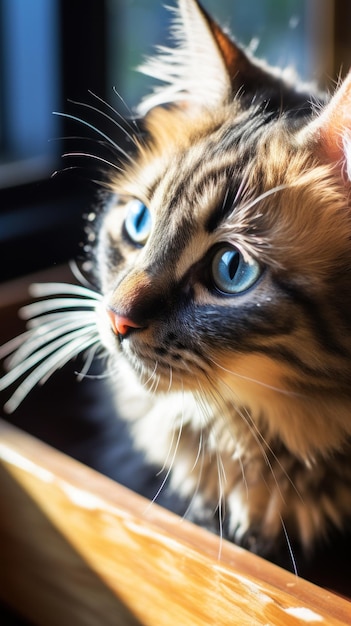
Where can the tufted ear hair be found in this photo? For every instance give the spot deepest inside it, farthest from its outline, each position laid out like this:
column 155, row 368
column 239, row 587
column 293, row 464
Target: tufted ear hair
column 330, row 132
column 206, row 68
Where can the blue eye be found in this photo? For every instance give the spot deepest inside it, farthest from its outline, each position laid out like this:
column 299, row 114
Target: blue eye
column 137, row 222
column 231, row 273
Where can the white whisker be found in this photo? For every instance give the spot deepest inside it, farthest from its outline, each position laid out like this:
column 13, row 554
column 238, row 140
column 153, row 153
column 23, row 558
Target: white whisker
column 39, row 290
column 86, row 105
column 27, row 364
column 13, row 344
column 46, row 369
column 58, row 329
column 88, row 362
column 263, row 446
column 199, row 450
column 288, row 543
column 170, row 448
column 251, row 203
column 200, row 454
column 258, row 438
column 90, row 346
column 174, row 453
column 219, row 463
column 51, row 320
column 37, row 308
column 43, row 336
column 98, row 131
column 101, row 183
column 94, row 157
column 155, row 381
column 242, row 188
column 170, row 379
column 132, row 117
column 170, row 465
column 151, row 377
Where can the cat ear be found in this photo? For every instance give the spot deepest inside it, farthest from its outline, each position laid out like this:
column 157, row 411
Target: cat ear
column 194, row 70
column 206, row 68
column 330, row 132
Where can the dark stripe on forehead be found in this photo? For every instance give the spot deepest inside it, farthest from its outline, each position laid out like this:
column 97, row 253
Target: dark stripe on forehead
column 225, row 206
column 243, row 149
column 179, row 191
column 192, row 180
column 228, row 176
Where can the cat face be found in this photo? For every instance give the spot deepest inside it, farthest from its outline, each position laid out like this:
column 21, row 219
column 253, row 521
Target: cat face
column 216, row 266
column 223, row 254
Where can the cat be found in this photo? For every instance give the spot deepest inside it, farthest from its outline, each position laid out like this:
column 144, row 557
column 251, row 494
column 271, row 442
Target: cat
column 223, row 265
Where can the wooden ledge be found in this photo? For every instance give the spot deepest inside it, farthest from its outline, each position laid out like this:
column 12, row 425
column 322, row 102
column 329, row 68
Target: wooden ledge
column 77, row 548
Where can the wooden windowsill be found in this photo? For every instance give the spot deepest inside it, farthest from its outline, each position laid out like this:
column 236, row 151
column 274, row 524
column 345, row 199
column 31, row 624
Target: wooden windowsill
column 77, row 548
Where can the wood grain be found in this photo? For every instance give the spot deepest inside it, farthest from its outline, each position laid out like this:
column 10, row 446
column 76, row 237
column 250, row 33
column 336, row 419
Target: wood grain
column 77, row 548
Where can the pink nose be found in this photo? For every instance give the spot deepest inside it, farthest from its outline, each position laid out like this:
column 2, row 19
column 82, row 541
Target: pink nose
column 121, row 325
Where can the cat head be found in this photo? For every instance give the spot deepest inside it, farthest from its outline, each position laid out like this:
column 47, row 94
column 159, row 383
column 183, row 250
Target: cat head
column 224, row 253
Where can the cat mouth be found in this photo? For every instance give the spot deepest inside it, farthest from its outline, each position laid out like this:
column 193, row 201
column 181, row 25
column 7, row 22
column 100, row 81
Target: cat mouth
column 166, row 365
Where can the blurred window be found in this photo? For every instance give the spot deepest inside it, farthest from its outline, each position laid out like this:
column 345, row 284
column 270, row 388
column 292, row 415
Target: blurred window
column 29, row 89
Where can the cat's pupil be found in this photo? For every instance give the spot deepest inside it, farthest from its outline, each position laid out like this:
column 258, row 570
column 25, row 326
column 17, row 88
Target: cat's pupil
column 140, row 218
column 231, row 259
